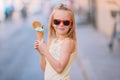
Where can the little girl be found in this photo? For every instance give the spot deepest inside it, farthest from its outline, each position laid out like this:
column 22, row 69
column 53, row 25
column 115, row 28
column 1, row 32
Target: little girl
column 56, row 56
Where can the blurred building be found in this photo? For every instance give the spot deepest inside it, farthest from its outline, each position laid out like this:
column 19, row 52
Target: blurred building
column 99, row 12
column 2, row 16
column 96, row 12
column 105, row 15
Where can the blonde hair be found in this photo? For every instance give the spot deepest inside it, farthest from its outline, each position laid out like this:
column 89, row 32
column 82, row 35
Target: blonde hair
column 72, row 32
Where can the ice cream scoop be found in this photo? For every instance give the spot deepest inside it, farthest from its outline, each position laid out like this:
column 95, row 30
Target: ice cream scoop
column 39, row 29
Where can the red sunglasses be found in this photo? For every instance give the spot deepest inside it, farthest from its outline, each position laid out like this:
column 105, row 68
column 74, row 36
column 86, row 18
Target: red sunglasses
column 65, row 22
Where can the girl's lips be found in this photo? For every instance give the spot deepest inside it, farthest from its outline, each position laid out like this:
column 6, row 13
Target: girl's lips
column 61, row 29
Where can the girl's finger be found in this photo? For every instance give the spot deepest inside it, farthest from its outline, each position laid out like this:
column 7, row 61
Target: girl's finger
column 42, row 41
column 36, row 43
column 36, row 46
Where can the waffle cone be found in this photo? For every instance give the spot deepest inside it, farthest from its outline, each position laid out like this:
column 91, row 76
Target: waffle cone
column 40, row 35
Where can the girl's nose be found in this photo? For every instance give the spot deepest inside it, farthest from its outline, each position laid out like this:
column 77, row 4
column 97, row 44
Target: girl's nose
column 61, row 24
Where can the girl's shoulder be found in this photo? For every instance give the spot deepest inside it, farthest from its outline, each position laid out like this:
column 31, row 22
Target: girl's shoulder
column 68, row 43
column 69, row 40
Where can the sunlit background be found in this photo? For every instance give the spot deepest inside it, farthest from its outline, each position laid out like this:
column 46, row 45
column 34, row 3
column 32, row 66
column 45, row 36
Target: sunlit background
column 98, row 35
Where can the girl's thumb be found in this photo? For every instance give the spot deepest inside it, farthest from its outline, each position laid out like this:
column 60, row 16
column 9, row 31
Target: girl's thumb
column 42, row 40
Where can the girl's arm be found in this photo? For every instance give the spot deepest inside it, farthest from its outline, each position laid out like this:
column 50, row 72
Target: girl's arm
column 42, row 57
column 42, row 62
column 59, row 65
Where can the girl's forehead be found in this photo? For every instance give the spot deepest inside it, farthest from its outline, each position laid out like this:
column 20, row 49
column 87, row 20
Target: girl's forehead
column 62, row 14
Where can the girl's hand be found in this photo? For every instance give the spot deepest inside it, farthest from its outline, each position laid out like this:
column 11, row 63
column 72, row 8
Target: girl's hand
column 43, row 47
column 36, row 45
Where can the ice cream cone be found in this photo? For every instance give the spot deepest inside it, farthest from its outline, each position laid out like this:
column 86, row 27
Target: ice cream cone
column 40, row 35
column 39, row 29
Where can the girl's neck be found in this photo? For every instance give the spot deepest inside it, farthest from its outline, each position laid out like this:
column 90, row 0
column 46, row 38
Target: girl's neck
column 59, row 37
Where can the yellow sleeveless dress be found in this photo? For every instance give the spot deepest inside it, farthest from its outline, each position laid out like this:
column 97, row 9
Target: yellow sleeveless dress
column 50, row 73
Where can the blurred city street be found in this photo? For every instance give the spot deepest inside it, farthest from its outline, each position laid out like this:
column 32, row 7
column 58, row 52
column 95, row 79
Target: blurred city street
column 20, row 61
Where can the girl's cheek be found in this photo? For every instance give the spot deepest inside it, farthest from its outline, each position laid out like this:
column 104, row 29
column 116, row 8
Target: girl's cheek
column 53, row 24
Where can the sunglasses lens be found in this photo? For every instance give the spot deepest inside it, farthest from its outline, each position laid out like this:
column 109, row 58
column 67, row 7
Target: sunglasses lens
column 66, row 23
column 56, row 22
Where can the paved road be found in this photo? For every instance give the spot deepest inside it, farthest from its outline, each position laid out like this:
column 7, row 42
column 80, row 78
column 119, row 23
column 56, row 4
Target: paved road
column 98, row 62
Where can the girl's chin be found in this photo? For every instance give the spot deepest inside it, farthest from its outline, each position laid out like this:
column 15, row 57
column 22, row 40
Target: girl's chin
column 61, row 33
